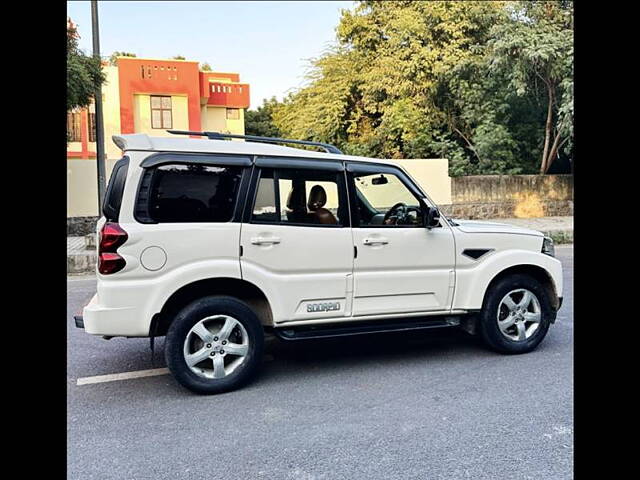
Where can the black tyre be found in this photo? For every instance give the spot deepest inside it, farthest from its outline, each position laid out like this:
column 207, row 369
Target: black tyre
column 214, row 345
column 516, row 314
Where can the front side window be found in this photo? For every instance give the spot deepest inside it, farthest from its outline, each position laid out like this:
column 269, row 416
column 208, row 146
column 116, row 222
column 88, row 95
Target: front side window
column 188, row 193
column 299, row 197
column 382, row 199
column 161, row 116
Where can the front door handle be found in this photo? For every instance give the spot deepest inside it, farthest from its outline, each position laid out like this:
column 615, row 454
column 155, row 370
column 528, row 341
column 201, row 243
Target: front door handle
column 265, row 240
column 375, row 241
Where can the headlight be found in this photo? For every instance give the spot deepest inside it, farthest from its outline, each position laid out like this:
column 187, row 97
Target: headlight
column 547, row 247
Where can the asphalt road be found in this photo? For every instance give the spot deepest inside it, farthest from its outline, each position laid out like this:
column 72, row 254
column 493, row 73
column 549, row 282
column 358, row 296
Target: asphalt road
column 434, row 405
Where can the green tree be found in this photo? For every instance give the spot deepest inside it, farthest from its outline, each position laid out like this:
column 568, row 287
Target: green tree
column 178, row 57
column 535, row 49
column 205, row 67
column 84, row 73
column 435, row 78
column 260, row 121
column 376, row 92
column 113, row 59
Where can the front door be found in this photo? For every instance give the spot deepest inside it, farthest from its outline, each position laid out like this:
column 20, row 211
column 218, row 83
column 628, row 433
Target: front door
column 296, row 242
column 401, row 266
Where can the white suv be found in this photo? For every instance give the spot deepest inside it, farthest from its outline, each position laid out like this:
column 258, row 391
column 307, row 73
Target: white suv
column 214, row 242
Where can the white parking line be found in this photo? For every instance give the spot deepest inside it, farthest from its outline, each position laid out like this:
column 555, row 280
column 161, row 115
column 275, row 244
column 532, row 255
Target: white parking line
column 154, row 372
column 114, row 377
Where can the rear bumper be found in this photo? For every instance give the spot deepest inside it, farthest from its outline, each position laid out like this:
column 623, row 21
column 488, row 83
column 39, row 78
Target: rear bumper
column 113, row 322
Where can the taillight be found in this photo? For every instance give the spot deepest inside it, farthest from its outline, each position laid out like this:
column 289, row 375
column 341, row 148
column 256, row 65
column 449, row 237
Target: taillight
column 112, row 236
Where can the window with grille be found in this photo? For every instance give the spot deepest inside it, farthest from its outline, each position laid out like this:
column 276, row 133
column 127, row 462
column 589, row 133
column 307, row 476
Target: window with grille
column 92, row 127
column 233, row 114
column 73, row 127
column 161, row 112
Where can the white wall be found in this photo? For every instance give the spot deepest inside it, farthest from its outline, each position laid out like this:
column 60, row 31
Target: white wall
column 82, row 186
column 433, row 175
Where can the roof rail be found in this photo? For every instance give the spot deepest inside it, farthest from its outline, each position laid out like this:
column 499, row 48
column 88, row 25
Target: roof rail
column 254, row 138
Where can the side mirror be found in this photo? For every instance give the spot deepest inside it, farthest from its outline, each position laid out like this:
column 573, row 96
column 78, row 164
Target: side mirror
column 431, row 216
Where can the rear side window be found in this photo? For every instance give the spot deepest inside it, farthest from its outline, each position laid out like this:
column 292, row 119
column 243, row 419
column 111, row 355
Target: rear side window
column 180, row 193
column 113, row 195
column 300, row 197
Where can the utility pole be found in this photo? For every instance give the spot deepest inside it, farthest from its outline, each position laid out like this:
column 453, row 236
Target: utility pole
column 98, row 108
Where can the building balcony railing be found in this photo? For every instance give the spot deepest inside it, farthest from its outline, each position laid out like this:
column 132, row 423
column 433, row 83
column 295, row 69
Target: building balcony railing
column 231, row 95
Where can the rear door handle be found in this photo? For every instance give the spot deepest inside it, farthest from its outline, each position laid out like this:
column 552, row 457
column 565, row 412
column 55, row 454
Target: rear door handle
column 265, row 240
column 375, row 241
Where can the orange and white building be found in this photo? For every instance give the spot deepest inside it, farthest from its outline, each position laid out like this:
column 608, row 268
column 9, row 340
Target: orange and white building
column 151, row 96
column 143, row 95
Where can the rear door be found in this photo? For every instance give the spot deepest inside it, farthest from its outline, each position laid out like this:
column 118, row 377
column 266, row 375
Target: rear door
column 401, row 266
column 184, row 216
column 296, row 238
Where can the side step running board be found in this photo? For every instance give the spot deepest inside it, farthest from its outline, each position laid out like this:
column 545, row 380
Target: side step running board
column 361, row 328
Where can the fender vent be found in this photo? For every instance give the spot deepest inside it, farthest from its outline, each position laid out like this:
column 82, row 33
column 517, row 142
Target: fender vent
column 476, row 253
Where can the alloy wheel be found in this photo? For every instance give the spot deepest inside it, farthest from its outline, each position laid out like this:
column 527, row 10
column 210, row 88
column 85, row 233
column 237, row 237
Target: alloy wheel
column 216, row 346
column 519, row 314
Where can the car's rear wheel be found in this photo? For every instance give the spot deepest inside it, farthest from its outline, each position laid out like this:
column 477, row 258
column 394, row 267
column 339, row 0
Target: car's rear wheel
column 516, row 314
column 214, row 345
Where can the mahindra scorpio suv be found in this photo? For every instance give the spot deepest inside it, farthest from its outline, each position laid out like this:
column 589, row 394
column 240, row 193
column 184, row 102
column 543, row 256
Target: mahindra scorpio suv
column 213, row 243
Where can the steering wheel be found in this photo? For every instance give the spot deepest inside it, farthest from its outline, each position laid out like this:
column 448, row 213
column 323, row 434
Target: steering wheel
column 401, row 212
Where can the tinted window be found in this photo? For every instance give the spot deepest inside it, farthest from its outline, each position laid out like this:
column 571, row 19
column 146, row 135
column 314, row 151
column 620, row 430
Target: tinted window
column 113, row 195
column 302, row 197
column 188, row 193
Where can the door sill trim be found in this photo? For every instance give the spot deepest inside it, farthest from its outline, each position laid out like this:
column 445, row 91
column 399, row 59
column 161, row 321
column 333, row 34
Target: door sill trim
column 362, row 318
column 308, row 332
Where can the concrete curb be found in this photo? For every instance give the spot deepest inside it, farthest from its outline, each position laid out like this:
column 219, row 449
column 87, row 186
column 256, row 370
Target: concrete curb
column 560, row 236
column 81, row 263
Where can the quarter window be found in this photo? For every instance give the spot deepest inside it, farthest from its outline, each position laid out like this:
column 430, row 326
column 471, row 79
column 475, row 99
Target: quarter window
column 161, row 116
column 188, row 193
column 299, row 197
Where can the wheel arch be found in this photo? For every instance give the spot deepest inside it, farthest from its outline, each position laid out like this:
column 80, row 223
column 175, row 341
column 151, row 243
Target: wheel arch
column 232, row 287
column 535, row 271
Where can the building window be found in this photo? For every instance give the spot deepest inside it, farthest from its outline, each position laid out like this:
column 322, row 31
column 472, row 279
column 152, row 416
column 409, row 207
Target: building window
column 233, row 114
column 92, row 127
column 161, row 112
column 73, row 127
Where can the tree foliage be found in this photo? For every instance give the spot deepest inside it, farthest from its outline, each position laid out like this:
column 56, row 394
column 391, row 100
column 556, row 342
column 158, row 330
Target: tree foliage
column 260, row 121
column 113, row 59
column 84, row 73
column 205, row 67
column 179, row 57
column 535, row 52
column 460, row 80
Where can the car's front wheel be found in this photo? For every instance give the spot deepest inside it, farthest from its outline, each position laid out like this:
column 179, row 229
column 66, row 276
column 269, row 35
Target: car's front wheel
column 214, row 345
column 516, row 314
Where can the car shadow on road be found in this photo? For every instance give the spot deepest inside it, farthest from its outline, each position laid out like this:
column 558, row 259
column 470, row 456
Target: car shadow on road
column 285, row 358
